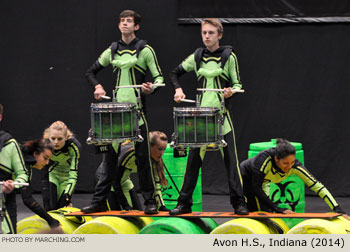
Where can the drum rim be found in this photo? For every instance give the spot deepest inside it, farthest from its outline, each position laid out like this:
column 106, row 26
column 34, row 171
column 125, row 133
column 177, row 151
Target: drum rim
column 114, row 105
column 185, row 109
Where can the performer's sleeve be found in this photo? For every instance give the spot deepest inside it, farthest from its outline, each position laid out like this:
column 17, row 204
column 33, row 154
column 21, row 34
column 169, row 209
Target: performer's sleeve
column 315, row 186
column 17, row 161
column 186, row 66
column 153, row 65
column 257, row 182
column 33, row 205
column 234, row 72
column 103, row 61
column 45, row 187
column 74, row 151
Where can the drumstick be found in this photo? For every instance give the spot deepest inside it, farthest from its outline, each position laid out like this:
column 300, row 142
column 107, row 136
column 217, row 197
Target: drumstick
column 220, row 90
column 17, row 183
column 105, row 97
column 140, row 86
column 188, row 100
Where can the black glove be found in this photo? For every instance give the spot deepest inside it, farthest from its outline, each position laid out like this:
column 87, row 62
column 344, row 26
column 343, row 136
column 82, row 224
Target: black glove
column 338, row 209
column 53, row 223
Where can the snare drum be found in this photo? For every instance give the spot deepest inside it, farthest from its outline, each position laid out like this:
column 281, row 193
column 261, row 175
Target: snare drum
column 114, row 122
column 197, row 127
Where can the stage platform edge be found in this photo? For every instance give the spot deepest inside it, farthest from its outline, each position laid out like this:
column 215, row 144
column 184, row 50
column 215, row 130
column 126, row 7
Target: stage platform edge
column 255, row 215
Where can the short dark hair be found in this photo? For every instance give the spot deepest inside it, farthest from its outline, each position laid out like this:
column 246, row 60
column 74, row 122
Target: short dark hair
column 1, row 109
column 37, row 146
column 284, row 148
column 131, row 13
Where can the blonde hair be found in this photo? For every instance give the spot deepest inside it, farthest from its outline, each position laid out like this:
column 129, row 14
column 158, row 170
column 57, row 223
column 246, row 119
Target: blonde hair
column 154, row 138
column 214, row 22
column 58, row 125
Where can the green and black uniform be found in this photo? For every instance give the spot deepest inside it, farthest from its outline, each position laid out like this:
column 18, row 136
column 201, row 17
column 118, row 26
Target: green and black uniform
column 26, row 193
column 259, row 171
column 60, row 176
column 124, row 196
column 12, row 167
column 218, row 69
column 130, row 63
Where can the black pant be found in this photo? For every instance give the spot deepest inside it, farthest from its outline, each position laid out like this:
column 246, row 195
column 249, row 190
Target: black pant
column 194, row 163
column 11, row 207
column 110, row 170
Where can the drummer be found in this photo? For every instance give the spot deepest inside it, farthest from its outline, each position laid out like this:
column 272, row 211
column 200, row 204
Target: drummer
column 130, row 57
column 216, row 67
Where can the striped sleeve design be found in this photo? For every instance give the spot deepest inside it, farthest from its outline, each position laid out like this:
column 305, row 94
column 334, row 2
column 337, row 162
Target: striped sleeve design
column 74, row 151
column 315, row 186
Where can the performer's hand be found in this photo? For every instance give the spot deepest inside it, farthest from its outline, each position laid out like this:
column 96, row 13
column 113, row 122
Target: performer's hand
column 8, row 186
column 179, row 94
column 147, row 88
column 228, row 92
column 99, row 91
column 288, row 211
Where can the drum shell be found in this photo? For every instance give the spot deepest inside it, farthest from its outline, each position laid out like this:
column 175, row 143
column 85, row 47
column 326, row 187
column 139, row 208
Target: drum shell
column 113, row 122
column 196, row 127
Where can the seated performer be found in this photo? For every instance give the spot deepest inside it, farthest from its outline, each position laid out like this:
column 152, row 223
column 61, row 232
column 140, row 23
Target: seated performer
column 275, row 165
column 130, row 58
column 216, row 68
column 37, row 154
column 60, row 176
column 123, row 195
column 12, row 169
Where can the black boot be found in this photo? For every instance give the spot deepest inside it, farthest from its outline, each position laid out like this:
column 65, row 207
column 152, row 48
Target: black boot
column 151, row 207
column 180, row 209
column 241, row 210
column 93, row 208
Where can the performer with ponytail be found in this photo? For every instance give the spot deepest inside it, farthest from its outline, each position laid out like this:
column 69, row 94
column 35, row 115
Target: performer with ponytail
column 37, row 154
column 275, row 165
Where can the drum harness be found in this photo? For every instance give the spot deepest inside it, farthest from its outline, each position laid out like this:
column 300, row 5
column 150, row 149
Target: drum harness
column 197, row 57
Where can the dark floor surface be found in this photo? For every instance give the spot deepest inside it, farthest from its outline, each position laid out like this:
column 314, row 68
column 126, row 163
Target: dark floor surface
column 211, row 203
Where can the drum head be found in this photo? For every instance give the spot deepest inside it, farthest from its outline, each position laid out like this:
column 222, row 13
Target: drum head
column 112, row 106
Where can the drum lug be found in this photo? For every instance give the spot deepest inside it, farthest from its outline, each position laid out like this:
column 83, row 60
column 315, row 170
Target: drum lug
column 223, row 142
column 139, row 138
column 173, row 140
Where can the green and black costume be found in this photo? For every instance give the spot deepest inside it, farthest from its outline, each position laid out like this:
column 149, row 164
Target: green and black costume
column 123, row 195
column 259, row 171
column 60, row 176
column 26, row 193
column 218, row 70
column 130, row 63
column 12, row 167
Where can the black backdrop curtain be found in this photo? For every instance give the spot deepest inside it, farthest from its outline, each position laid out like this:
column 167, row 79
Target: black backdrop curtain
column 296, row 80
